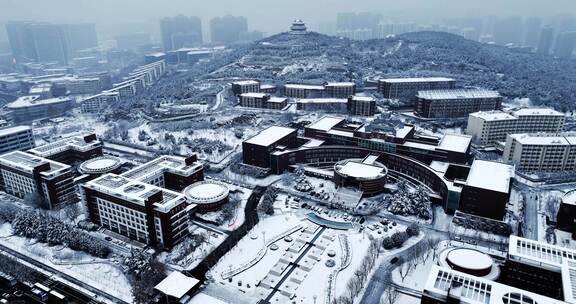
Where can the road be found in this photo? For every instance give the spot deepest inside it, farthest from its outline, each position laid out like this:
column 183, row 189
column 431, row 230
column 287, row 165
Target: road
column 531, row 216
column 62, row 275
column 382, row 278
column 219, row 99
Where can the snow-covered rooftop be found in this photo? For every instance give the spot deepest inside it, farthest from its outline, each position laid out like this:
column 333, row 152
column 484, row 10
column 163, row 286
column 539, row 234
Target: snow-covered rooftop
column 475, row 290
column 363, row 98
column 206, row 192
column 425, row 79
column 271, row 135
column 77, row 143
column 457, row 143
column 492, row 115
column 537, row 112
column 34, row 100
column 13, row 130
column 28, row 162
column 340, row 84
column 167, row 163
column 277, row 99
column 322, row 100
column 325, row 123
column 304, row 86
column 177, row 285
column 358, row 169
column 490, row 175
column 254, row 95
column 135, row 191
column 458, row 94
column 546, row 139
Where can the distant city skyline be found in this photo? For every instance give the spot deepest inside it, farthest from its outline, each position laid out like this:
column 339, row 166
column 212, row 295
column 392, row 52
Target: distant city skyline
column 145, row 15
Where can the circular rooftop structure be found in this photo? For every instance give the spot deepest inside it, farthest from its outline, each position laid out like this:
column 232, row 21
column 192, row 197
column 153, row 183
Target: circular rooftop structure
column 100, row 165
column 208, row 195
column 470, row 261
column 366, row 174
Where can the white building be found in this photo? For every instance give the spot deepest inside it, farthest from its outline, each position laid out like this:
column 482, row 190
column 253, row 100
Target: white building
column 541, row 152
column 140, row 211
column 32, row 107
column 96, row 103
column 22, row 174
column 16, row 138
column 489, row 128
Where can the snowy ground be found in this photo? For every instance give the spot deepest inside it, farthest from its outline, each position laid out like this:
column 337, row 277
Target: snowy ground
column 99, row 273
column 180, row 259
column 313, row 282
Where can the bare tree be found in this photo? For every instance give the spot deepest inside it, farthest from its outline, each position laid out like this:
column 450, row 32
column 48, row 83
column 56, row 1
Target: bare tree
column 390, row 295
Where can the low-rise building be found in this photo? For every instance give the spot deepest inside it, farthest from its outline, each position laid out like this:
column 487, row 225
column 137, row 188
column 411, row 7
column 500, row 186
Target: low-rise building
column 140, row 211
column 408, row 87
column 96, row 103
column 328, row 105
column 170, row 172
column 361, row 105
column 28, row 108
column 16, row 138
column 491, row 127
column 303, row 91
column 23, row 174
column 254, row 100
column 456, row 103
column 487, row 189
column 71, row 150
column 256, row 150
column 340, row 89
column 541, row 152
column 246, row 86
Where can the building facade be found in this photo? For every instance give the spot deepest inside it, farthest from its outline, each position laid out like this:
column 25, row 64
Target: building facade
column 541, row 152
column 408, row 87
column 361, row 106
column 246, row 86
column 23, row 174
column 16, row 138
column 303, row 91
column 489, row 128
column 28, row 108
column 139, row 211
column 456, row 103
column 340, row 89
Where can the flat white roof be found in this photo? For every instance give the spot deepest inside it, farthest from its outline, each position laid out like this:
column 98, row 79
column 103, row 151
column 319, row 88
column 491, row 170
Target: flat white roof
column 326, row 123
column 421, row 79
column 13, row 130
column 176, row 284
column 304, row 86
column 34, row 100
column 456, row 143
column 254, row 95
column 360, row 170
column 546, row 139
column 363, row 98
column 490, row 175
column 269, row 136
column 246, row 82
column 537, row 112
column 277, row 99
column 475, row 290
column 492, row 115
column 322, row 100
column 340, row 84
column 457, row 94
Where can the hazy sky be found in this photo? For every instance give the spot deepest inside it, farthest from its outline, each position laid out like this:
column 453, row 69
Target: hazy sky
column 266, row 15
